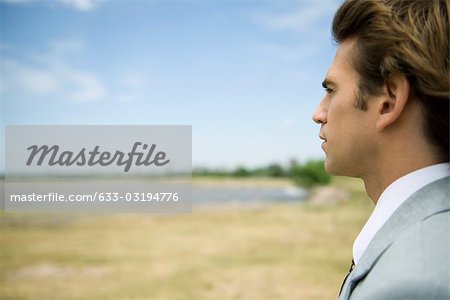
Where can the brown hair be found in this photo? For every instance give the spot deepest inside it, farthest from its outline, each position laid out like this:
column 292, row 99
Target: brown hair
column 410, row 37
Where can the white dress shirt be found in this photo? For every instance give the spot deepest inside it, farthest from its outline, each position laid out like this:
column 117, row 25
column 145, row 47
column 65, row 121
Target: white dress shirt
column 391, row 198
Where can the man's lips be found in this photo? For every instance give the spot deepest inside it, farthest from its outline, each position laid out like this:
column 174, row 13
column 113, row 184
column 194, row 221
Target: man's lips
column 324, row 140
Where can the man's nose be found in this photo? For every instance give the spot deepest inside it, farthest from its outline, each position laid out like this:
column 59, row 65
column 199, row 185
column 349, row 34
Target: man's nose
column 320, row 115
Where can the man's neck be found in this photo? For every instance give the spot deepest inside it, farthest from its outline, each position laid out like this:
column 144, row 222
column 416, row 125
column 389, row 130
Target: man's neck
column 377, row 181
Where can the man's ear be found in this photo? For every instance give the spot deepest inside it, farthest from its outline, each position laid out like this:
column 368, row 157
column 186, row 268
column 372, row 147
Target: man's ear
column 393, row 101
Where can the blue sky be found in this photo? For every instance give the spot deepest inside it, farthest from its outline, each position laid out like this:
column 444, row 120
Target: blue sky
column 246, row 74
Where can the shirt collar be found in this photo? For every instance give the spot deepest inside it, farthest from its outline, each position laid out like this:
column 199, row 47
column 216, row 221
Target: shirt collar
column 394, row 196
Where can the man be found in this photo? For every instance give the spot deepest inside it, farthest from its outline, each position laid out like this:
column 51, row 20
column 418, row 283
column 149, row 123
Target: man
column 385, row 119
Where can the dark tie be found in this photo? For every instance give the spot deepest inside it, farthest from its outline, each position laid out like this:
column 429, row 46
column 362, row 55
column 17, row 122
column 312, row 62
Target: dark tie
column 349, row 271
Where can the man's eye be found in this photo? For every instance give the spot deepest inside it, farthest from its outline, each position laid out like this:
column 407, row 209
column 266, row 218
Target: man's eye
column 328, row 90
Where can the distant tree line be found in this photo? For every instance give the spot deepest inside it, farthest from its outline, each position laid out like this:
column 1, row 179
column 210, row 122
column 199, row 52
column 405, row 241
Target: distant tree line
column 309, row 174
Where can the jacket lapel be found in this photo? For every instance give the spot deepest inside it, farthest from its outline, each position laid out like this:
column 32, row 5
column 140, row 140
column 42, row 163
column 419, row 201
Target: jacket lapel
column 429, row 200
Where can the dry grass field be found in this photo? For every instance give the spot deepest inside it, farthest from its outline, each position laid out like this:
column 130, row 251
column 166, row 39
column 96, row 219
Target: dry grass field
column 268, row 251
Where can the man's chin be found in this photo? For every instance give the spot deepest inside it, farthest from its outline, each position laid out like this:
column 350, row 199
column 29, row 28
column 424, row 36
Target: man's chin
column 327, row 166
column 332, row 169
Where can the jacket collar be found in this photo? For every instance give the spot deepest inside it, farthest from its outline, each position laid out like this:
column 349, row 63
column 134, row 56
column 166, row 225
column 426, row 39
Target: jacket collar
column 411, row 211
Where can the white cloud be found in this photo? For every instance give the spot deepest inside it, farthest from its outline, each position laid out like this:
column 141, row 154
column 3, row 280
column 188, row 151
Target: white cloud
column 82, row 86
column 308, row 21
column 80, row 5
column 49, row 74
column 66, row 46
column 20, row 76
column 16, row 1
column 302, row 18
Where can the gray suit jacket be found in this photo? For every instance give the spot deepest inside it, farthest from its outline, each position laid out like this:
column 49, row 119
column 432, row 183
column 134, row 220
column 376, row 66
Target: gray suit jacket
column 409, row 257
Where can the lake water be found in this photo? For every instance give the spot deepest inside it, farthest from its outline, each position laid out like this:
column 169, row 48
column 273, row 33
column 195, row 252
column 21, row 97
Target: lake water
column 245, row 194
column 226, row 194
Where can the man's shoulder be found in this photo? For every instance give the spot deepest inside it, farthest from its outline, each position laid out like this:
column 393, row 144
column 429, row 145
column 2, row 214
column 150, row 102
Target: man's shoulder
column 423, row 245
column 422, row 249
column 414, row 266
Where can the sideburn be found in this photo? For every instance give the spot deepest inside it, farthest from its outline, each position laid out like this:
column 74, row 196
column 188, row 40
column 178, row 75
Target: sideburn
column 361, row 100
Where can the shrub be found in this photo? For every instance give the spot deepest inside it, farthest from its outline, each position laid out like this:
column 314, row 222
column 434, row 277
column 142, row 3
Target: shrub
column 310, row 174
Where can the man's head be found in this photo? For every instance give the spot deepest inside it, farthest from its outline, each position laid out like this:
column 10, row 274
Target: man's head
column 393, row 44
